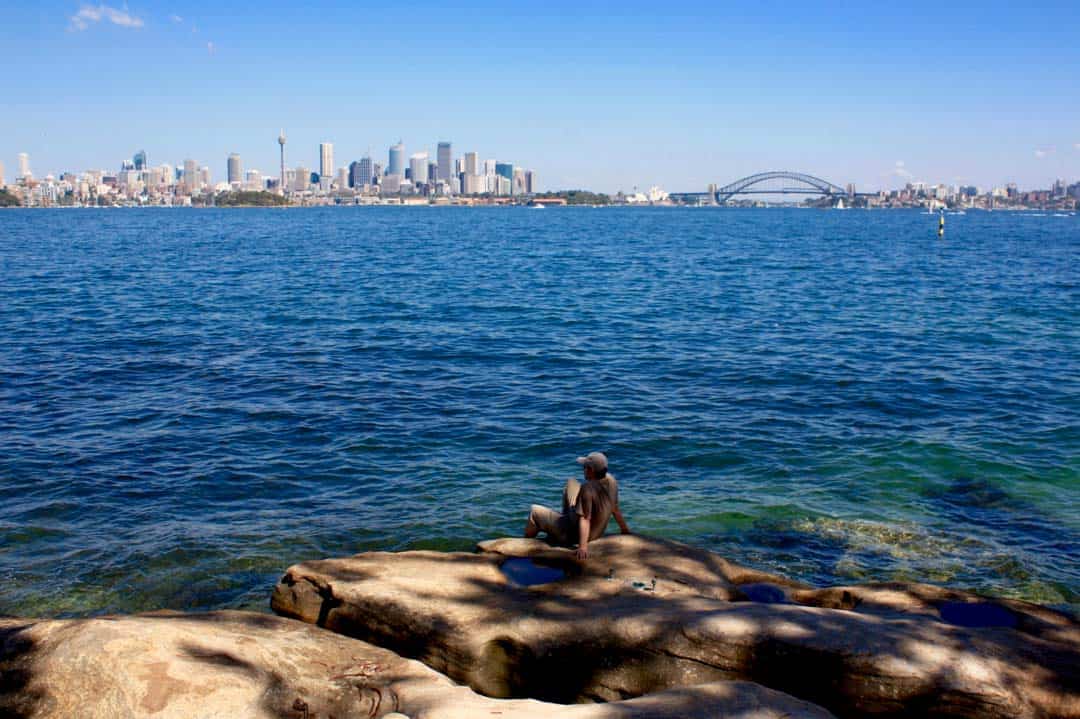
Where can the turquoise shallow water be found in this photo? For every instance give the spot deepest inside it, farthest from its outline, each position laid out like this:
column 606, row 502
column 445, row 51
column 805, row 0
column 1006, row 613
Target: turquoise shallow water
column 192, row 400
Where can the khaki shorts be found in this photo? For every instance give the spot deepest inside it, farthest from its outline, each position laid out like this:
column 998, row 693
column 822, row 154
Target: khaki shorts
column 561, row 528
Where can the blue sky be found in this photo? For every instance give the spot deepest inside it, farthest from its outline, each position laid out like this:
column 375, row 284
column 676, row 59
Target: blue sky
column 605, row 96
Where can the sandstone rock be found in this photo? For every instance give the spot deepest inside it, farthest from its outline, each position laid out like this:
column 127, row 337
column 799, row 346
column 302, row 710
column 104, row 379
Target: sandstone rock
column 241, row 665
column 645, row 615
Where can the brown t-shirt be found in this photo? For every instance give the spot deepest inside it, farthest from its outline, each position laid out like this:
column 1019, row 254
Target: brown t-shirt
column 596, row 500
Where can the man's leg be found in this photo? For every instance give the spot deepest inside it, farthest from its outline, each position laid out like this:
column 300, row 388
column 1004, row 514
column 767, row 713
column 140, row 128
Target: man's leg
column 541, row 519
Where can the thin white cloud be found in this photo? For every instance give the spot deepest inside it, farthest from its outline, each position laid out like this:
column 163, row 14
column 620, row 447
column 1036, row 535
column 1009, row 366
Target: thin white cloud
column 90, row 14
column 899, row 170
column 176, row 18
column 1043, row 152
column 210, row 48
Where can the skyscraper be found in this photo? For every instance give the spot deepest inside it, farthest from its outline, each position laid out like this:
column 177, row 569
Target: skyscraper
column 355, row 181
column 281, row 141
column 24, row 166
column 418, row 168
column 396, row 165
column 472, row 163
column 326, row 164
column 140, row 160
column 302, row 178
column 367, row 171
column 191, row 175
column 505, row 169
column 445, row 162
column 236, row 172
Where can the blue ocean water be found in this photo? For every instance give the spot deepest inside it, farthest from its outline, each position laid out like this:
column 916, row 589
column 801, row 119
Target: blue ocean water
column 192, row 400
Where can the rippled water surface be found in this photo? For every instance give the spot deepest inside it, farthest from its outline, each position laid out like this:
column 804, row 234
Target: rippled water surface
column 192, row 400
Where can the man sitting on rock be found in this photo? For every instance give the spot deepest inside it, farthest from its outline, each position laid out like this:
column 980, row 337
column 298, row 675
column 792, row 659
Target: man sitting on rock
column 586, row 508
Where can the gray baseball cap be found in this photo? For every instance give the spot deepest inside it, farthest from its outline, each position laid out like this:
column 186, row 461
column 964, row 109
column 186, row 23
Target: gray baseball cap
column 596, row 461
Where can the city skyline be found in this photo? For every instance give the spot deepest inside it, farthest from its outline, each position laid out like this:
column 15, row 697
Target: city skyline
column 872, row 95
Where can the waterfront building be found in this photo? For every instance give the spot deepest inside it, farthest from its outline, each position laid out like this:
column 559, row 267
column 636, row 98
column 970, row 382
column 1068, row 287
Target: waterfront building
column 432, row 173
column 530, row 179
column 397, row 160
column 443, row 158
column 191, row 178
column 326, row 164
column 342, row 180
column 418, row 168
column 518, row 182
column 472, row 164
column 355, row 177
column 139, row 161
column 253, row 180
column 204, row 176
column 235, row 175
column 24, row 166
column 376, row 171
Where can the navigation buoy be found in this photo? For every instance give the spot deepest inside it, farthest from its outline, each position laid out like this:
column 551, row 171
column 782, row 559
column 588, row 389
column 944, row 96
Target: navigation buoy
column 941, row 225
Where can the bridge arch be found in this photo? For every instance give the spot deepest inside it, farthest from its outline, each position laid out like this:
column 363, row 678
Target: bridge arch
column 808, row 185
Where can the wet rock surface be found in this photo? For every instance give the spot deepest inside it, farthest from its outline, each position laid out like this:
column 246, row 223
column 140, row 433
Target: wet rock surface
column 241, row 664
column 644, row 615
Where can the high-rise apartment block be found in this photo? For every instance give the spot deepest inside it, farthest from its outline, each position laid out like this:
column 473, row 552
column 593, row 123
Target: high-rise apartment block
column 396, row 165
column 24, row 166
column 191, row 175
column 235, row 170
column 444, row 160
column 326, row 164
column 418, row 168
column 302, row 179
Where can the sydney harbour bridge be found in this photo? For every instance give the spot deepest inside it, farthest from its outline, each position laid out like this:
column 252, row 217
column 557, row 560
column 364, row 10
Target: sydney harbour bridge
column 769, row 183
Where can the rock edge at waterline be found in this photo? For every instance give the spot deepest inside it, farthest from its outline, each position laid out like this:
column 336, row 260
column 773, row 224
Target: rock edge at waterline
column 645, row 615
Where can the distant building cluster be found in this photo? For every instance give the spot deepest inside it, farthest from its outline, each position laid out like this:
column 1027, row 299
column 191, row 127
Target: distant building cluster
column 1061, row 196
column 415, row 178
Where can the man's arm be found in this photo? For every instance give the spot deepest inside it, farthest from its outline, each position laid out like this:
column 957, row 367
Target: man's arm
column 582, row 552
column 622, row 522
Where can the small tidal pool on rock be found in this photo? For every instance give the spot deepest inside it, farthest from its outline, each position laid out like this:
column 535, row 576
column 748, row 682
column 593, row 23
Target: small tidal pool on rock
column 524, row 572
